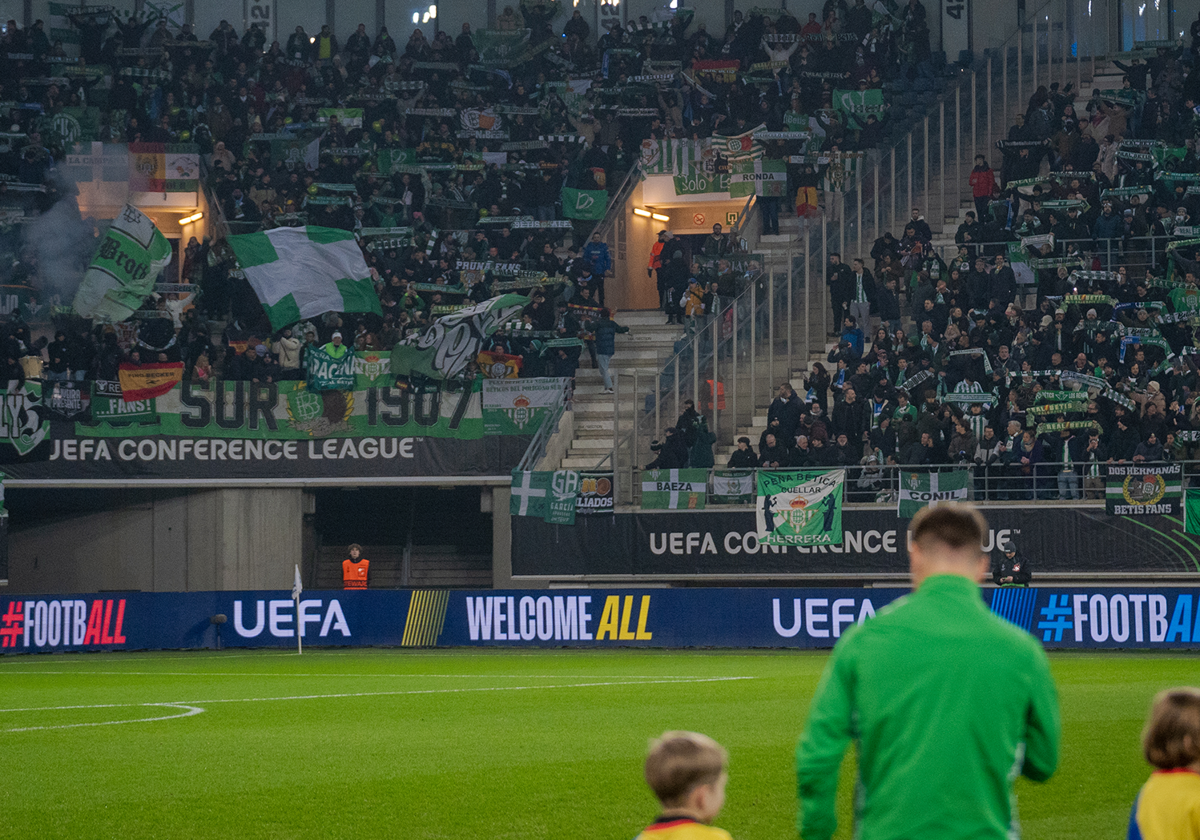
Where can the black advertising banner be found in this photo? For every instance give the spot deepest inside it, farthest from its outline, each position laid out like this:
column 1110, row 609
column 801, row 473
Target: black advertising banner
column 1141, row 618
column 247, row 432
column 1055, row 539
column 595, row 493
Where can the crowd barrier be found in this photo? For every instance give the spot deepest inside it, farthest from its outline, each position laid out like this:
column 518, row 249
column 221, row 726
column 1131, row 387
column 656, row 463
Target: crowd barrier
column 1134, row 618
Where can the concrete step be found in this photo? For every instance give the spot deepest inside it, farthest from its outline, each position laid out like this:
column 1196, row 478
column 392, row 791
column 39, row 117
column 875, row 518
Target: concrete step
column 581, row 463
column 583, row 445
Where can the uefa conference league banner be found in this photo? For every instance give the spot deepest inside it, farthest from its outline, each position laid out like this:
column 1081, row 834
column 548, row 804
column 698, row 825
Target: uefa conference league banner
column 873, row 542
column 1142, row 618
column 268, row 431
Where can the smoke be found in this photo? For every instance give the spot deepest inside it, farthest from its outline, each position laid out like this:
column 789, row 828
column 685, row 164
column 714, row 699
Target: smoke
column 63, row 243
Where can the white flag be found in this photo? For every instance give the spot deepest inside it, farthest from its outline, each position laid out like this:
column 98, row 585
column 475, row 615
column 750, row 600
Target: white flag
column 297, row 586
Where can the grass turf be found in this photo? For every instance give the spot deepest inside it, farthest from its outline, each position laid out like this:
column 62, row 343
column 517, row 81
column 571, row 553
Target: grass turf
column 504, row 744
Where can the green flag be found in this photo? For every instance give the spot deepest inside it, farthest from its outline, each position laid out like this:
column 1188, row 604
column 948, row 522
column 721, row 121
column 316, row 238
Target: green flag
column 303, row 272
column 560, row 501
column 529, row 492
column 584, row 204
column 1191, row 521
column 124, row 269
column 857, row 104
column 733, row 487
column 550, row 496
column 74, row 125
column 918, row 490
column 757, row 177
column 800, row 507
column 326, row 372
column 389, row 159
column 445, row 348
column 674, row 489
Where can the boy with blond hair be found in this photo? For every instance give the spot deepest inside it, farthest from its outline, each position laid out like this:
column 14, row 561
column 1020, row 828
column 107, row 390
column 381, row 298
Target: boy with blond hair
column 687, row 772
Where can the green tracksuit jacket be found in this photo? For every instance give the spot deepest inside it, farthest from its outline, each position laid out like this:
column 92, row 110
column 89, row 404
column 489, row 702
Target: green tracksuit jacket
column 947, row 702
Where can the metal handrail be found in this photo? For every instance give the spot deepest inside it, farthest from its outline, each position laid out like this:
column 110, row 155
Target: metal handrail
column 537, row 444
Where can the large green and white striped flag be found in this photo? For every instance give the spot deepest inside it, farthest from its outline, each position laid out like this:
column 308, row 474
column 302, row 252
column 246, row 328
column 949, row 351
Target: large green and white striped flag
column 918, row 490
column 674, row 489
column 124, row 268
column 303, row 272
column 675, row 157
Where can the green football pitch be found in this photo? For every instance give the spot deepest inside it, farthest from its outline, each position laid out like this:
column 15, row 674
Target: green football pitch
column 457, row 744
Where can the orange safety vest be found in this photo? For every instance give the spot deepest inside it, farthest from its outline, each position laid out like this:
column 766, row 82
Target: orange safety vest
column 354, row 575
column 656, row 255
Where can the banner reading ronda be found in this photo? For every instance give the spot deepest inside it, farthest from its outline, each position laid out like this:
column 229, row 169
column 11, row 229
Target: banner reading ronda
column 269, row 431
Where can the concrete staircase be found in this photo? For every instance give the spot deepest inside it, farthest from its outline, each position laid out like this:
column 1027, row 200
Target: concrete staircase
column 648, row 345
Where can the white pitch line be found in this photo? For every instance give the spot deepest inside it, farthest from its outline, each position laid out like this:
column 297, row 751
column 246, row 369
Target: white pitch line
column 188, row 711
column 365, row 676
column 194, row 703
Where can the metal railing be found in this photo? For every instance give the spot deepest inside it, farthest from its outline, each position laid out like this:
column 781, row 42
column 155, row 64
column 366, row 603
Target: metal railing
column 879, row 484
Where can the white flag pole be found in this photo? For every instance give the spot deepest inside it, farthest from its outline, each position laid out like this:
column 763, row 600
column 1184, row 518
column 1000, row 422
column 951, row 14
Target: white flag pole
column 298, row 588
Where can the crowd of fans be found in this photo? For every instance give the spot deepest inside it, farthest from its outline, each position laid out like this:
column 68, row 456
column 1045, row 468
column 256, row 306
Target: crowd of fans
column 1059, row 339
column 446, row 154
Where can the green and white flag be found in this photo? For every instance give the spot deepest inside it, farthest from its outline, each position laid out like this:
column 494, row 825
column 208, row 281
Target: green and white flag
column 304, row 272
column 1191, row 512
column 74, row 125
column 584, row 204
column 674, row 489
column 529, row 492
column 328, row 373
column 348, row 117
column 857, row 104
column 918, row 490
column 761, row 176
column 800, row 507
column 550, row 496
column 733, row 487
column 518, row 406
column 124, row 269
column 445, row 348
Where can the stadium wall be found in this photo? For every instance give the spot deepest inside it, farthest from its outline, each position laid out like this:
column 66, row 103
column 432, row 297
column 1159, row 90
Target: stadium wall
column 1135, row 618
column 163, row 542
column 721, row 544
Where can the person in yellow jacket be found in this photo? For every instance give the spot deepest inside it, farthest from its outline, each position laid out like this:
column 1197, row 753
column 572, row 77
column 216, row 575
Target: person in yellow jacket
column 354, row 568
column 687, row 772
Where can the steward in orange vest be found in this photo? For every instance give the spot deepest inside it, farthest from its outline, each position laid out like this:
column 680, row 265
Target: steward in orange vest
column 354, row 569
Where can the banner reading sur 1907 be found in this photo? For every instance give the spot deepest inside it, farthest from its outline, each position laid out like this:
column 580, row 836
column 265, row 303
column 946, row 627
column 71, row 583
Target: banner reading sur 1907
column 257, row 431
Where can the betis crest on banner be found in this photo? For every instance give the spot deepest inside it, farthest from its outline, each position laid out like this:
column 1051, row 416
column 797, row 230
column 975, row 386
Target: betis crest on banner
column 1144, row 490
column 800, row 507
column 517, row 406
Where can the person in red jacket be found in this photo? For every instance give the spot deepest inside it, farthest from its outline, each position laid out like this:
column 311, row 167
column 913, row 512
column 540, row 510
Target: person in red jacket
column 354, row 569
column 983, row 181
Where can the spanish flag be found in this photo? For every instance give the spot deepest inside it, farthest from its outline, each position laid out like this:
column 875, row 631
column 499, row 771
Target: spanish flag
column 145, row 382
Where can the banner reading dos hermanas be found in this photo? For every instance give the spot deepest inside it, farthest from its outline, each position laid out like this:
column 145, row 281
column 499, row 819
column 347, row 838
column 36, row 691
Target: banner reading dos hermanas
column 1151, row 490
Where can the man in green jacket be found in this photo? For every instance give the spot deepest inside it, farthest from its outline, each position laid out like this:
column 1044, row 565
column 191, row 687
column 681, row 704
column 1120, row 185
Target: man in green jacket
column 947, row 704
